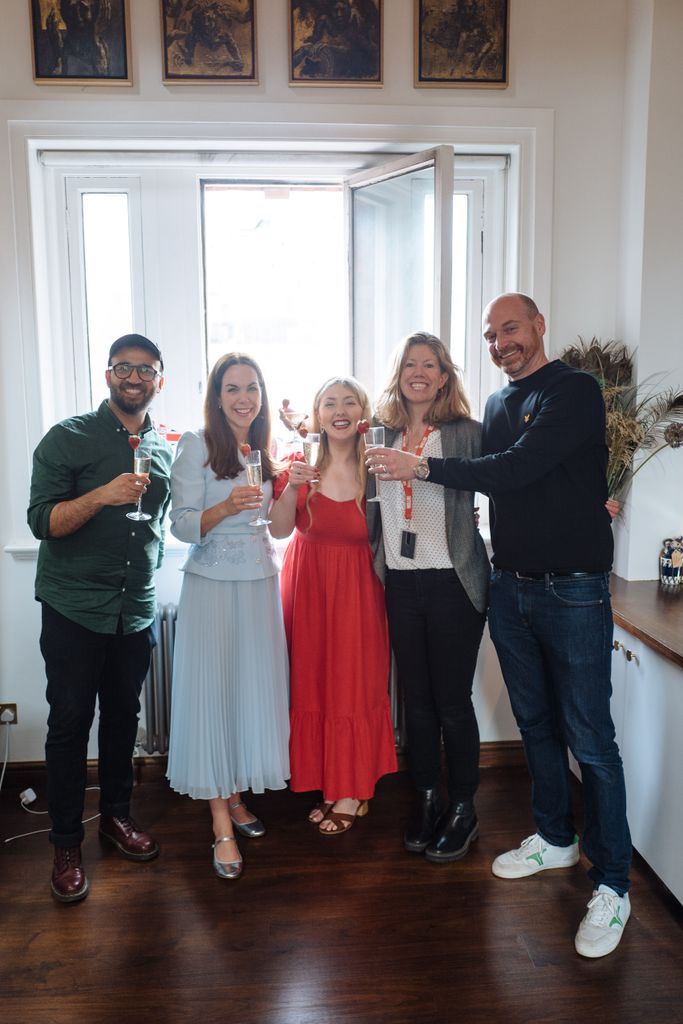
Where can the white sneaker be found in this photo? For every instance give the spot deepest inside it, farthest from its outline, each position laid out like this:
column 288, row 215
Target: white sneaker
column 601, row 929
column 535, row 855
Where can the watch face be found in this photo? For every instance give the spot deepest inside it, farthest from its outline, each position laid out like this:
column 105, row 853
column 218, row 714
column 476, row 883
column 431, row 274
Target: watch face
column 422, row 470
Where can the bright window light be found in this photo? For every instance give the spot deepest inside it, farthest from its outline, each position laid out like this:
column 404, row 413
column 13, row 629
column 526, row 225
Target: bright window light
column 275, row 280
column 108, row 296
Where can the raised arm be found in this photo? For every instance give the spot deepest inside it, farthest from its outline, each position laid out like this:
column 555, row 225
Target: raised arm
column 283, row 510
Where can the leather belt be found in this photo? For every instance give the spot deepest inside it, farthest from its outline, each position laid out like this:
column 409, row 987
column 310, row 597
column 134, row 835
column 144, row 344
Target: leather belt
column 523, row 575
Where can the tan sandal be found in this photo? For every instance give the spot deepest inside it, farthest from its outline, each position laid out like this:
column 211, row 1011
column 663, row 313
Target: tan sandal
column 342, row 822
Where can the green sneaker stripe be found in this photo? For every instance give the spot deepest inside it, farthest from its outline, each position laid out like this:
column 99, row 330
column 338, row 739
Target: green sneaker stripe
column 537, row 857
column 616, row 920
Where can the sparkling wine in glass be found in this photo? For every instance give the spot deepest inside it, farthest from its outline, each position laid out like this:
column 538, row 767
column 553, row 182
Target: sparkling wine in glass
column 311, row 448
column 374, row 438
column 255, row 479
column 142, row 463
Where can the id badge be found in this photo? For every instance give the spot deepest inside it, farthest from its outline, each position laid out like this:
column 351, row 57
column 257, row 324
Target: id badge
column 408, row 541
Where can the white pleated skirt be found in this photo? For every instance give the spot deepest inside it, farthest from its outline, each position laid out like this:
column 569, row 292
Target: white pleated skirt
column 230, row 694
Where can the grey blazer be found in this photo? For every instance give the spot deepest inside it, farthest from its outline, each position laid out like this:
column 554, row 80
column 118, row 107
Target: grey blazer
column 465, row 545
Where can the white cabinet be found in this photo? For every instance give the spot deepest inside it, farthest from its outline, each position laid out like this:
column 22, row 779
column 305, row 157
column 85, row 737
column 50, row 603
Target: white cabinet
column 647, row 707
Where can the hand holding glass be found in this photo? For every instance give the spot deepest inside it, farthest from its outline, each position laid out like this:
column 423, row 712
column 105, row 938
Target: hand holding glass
column 255, row 479
column 374, row 438
column 142, row 463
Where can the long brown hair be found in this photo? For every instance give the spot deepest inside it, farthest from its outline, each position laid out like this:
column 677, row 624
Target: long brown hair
column 451, row 402
column 220, row 440
column 323, row 460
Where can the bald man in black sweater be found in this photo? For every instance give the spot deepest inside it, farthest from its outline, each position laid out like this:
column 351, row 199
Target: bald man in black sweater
column 543, row 466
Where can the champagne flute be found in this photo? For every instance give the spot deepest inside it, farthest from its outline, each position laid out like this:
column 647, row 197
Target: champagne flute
column 311, row 449
column 255, row 479
column 142, row 463
column 374, row 438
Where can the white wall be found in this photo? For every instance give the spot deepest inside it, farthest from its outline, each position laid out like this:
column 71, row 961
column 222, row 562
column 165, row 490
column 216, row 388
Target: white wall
column 570, row 64
column 653, row 268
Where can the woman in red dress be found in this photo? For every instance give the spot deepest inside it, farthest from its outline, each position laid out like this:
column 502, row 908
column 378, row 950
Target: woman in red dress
column 341, row 739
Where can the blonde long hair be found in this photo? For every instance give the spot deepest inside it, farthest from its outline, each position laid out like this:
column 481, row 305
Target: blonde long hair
column 324, row 457
column 451, row 402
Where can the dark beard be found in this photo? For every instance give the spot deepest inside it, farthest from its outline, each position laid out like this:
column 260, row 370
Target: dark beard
column 131, row 404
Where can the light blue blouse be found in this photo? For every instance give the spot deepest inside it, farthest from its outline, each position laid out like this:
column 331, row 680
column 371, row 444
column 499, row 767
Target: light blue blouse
column 232, row 550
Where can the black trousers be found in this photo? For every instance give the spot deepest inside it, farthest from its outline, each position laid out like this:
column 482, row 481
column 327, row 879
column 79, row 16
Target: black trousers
column 435, row 633
column 81, row 666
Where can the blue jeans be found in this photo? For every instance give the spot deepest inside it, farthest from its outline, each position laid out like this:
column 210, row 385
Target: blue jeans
column 554, row 642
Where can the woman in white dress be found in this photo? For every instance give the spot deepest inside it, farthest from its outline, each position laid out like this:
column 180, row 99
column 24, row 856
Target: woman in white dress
column 229, row 713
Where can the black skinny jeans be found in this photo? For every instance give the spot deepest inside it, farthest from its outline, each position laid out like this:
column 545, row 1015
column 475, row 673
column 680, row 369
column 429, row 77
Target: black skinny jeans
column 81, row 666
column 435, row 632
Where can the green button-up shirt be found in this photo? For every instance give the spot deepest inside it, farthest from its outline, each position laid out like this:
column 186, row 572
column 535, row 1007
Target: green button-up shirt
column 105, row 570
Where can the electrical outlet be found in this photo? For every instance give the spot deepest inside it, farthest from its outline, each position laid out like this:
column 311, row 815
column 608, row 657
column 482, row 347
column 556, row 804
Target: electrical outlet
column 12, row 708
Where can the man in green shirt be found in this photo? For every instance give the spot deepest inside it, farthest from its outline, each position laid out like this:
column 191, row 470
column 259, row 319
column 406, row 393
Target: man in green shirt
column 95, row 581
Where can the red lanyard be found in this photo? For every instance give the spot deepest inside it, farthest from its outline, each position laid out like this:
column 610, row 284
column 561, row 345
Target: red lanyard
column 408, row 484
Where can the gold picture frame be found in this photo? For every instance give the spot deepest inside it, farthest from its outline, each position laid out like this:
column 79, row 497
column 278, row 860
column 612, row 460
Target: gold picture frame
column 204, row 41
column 335, row 42
column 76, row 45
column 461, row 44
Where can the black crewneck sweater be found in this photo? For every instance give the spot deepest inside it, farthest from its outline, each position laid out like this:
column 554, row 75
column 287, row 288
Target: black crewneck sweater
column 543, row 465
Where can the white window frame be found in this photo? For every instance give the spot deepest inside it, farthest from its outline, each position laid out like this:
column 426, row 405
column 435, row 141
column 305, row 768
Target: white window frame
column 75, row 188
column 169, row 302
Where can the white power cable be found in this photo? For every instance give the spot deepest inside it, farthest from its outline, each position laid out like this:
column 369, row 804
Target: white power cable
column 40, row 831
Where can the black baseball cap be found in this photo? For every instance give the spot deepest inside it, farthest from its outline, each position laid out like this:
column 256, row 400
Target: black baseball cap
column 135, row 341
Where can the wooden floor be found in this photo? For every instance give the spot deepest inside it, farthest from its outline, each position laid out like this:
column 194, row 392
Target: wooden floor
column 320, row 930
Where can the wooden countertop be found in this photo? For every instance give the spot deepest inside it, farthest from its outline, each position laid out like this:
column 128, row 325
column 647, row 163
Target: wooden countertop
column 651, row 612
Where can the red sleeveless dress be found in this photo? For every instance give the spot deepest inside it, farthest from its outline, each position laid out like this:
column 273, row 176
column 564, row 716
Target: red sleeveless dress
column 341, row 738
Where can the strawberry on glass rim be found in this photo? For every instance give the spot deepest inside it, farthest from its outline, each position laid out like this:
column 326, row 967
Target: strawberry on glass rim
column 245, row 449
column 134, row 441
column 363, row 426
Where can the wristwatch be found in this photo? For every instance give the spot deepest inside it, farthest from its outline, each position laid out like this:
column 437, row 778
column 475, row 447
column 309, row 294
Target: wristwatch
column 422, row 469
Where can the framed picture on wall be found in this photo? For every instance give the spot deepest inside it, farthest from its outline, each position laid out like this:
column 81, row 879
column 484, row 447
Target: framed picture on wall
column 209, row 41
column 76, row 43
column 335, row 42
column 461, row 43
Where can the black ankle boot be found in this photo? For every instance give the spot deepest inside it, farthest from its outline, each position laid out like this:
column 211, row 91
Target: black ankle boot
column 457, row 829
column 423, row 825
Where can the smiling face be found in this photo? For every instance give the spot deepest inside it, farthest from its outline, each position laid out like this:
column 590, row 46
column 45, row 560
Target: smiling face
column 514, row 339
column 421, row 376
column 133, row 396
column 240, row 398
column 339, row 410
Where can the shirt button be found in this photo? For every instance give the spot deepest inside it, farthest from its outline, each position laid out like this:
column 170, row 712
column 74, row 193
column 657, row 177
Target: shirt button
column 127, row 563
column 123, row 590
column 132, row 533
column 258, row 561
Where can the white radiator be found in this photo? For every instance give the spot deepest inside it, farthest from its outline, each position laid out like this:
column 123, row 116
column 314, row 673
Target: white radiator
column 156, row 690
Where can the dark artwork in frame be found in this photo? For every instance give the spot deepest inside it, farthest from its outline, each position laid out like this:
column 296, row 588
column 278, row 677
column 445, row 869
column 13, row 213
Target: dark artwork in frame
column 80, row 42
column 461, row 43
column 209, row 41
column 335, row 42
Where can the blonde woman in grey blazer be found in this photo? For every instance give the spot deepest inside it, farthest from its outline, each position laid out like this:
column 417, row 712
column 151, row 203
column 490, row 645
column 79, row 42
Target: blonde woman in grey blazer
column 433, row 561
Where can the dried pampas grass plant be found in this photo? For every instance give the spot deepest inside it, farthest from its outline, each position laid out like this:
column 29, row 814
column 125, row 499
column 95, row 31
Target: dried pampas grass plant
column 639, row 417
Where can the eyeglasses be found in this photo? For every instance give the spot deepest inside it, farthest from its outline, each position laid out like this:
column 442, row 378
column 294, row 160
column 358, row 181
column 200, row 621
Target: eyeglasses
column 124, row 370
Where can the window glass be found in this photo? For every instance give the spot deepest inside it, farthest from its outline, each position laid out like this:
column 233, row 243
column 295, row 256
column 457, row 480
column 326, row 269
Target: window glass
column 275, row 283
column 108, row 297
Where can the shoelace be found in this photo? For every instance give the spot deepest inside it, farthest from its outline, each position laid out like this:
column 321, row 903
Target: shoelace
column 602, row 909
column 533, row 843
